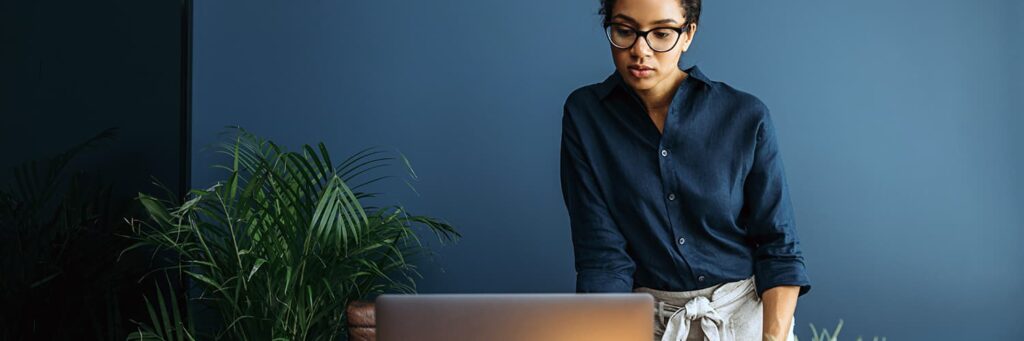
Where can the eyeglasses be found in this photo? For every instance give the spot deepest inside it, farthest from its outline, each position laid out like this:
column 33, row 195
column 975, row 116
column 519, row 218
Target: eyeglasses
column 662, row 40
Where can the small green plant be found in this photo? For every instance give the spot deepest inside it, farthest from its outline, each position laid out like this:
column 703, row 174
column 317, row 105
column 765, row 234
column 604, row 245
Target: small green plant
column 281, row 246
column 833, row 336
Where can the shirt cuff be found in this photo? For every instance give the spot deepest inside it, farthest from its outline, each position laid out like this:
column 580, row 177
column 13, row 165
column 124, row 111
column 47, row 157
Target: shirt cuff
column 603, row 282
column 772, row 273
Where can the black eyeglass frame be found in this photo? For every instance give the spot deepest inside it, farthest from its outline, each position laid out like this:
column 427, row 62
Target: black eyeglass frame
column 639, row 33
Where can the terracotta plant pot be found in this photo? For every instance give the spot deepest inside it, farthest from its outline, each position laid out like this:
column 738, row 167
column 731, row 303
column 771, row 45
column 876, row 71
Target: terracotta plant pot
column 362, row 325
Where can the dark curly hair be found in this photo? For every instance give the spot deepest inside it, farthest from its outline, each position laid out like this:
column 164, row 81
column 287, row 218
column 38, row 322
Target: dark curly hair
column 690, row 7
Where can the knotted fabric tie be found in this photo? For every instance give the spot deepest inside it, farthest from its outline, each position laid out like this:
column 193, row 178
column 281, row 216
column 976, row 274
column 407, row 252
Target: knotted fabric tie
column 700, row 309
column 703, row 310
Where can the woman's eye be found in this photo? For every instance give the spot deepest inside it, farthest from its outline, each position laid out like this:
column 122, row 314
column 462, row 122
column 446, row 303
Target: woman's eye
column 623, row 32
column 661, row 35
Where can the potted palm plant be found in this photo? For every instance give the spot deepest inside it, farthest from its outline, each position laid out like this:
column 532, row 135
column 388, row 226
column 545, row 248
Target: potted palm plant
column 281, row 245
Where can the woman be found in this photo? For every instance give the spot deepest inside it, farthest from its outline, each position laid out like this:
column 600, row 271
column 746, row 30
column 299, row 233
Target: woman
column 674, row 185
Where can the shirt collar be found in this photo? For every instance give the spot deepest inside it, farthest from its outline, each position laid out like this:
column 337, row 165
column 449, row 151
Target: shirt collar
column 615, row 80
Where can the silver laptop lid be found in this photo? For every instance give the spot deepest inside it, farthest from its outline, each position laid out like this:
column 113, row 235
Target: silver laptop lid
column 515, row 317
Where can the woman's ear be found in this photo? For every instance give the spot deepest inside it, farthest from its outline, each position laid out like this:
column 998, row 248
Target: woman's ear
column 688, row 36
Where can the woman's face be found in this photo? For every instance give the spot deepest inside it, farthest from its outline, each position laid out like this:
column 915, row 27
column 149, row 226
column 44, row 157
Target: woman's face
column 642, row 68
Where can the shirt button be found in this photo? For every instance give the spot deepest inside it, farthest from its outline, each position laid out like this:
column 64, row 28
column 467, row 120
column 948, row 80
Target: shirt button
column 671, row 196
column 664, row 152
column 682, row 240
column 700, row 278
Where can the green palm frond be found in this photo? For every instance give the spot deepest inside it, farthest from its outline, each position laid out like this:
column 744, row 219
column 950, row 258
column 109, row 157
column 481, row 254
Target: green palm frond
column 283, row 243
column 165, row 320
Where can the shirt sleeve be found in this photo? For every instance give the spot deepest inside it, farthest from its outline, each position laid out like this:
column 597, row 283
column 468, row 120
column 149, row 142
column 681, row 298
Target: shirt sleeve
column 601, row 260
column 768, row 215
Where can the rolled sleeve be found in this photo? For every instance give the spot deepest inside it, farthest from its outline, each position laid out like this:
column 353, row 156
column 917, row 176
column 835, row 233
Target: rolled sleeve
column 601, row 259
column 768, row 215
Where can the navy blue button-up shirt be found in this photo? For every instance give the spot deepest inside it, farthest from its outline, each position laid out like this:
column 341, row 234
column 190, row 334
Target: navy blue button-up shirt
column 703, row 202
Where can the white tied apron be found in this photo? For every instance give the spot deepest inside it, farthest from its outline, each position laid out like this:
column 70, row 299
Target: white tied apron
column 723, row 312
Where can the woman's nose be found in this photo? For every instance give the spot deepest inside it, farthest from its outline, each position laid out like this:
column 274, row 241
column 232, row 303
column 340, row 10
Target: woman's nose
column 640, row 48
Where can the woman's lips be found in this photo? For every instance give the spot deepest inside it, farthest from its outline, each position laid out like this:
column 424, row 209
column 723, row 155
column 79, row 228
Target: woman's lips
column 641, row 71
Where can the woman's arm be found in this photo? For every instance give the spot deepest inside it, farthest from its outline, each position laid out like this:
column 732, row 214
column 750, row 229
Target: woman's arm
column 779, row 305
column 602, row 263
column 768, row 215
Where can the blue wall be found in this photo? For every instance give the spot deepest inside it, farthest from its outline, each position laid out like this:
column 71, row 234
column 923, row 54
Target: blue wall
column 897, row 122
column 1014, row 41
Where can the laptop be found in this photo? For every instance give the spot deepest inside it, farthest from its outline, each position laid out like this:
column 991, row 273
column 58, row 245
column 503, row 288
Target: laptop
column 515, row 317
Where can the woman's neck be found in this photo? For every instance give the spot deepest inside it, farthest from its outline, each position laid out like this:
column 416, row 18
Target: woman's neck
column 658, row 98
